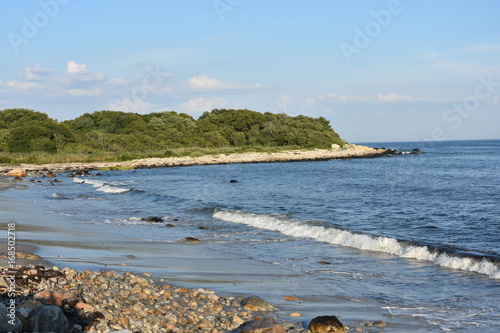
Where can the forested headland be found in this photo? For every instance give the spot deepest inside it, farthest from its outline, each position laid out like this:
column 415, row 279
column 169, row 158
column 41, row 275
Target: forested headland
column 28, row 136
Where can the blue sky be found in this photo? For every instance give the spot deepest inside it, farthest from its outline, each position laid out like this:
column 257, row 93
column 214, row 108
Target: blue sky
column 395, row 70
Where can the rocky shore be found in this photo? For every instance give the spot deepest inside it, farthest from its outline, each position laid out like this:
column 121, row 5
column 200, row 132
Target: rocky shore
column 67, row 300
column 350, row 152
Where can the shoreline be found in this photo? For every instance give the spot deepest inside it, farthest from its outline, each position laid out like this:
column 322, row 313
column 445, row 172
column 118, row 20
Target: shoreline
column 352, row 152
column 81, row 255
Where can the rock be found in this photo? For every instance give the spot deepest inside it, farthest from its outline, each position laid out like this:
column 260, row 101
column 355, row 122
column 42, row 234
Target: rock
column 192, row 239
column 25, row 255
column 8, row 320
column 415, row 151
column 17, row 173
column 264, row 325
column 48, row 318
column 336, row 147
column 255, row 303
column 49, row 297
column 379, row 323
column 154, row 219
column 290, row 298
column 294, row 314
column 326, row 324
column 50, row 174
column 233, row 181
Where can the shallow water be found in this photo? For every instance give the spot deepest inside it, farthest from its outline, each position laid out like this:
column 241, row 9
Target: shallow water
column 413, row 236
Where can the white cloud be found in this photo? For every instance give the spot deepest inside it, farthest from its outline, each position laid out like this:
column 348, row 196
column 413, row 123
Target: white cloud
column 394, row 98
column 204, row 83
column 84, row 92
column 24, row 86
column 74, row 68
column 36, row 73
column 283, row 103
column 135, row 105
column 484, row 48
column 201, row 104
column 118, row 81
column 79, row 72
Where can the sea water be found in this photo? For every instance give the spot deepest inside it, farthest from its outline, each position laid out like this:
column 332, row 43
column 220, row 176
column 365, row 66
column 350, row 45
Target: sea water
column 417, row 235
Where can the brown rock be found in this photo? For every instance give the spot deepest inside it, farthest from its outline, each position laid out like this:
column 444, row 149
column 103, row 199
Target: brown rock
column 84, row 307
column 326, row 324
column 49, row 297
column 290, row 298
column 17, row 173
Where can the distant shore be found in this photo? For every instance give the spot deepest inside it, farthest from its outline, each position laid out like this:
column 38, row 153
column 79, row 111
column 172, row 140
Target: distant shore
column 352, row 151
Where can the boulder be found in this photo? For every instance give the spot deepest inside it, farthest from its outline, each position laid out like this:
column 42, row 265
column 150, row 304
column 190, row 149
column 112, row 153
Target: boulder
column 255, row 303
column 17, row 173
column 415, row 151
column 233, row 181
column 49, row 297
column 8, row 320
column 48, row 318
column 154, row 219
column 336, row 147
column 326, row 324
column 264, row 325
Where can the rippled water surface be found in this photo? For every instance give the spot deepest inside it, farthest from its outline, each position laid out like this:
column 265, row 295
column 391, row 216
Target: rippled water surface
column 419, row 234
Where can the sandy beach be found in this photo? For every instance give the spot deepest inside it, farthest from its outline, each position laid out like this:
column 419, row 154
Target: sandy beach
column 191, row 265
column 352, row 151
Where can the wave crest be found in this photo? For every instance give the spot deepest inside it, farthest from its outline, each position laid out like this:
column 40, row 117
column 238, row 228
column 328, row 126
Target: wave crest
column 300, row 229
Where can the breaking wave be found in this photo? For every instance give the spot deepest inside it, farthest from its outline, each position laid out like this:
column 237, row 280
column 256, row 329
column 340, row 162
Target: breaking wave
column 102, row 186
column 300, row 229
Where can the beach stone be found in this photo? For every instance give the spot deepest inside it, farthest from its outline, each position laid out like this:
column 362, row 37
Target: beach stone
column 233, row 181
column 264, row 325
column 255, row 303
column 48, row 318
column 9, row 322
column 415, row 151
column 336, row 147
column 290, row 298
column 192, row 239
column 326, row 324
column 154, row 219
column 49, row 297
column 379, row 323
column 17, row 173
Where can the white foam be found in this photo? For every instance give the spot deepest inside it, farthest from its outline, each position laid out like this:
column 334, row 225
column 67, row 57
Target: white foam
column 299, row 229
column 112, row 189
column 93, row 182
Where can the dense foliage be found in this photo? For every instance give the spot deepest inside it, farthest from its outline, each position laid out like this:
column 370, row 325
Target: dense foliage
column 23, row 131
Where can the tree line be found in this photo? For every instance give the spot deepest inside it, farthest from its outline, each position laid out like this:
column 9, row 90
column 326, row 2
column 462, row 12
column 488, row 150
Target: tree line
column 25, row 131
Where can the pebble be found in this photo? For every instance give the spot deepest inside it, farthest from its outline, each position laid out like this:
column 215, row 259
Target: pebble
column 109, row 301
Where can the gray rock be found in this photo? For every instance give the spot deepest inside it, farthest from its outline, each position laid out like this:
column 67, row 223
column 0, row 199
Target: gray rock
column 264, row 325
column 48, row 318
column 255, row 303
column 8, row 320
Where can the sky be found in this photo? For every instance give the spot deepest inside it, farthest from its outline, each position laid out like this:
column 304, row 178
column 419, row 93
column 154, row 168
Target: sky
column 392, row 70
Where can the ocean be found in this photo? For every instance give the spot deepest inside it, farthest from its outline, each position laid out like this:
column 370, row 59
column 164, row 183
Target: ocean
column 416, row 236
